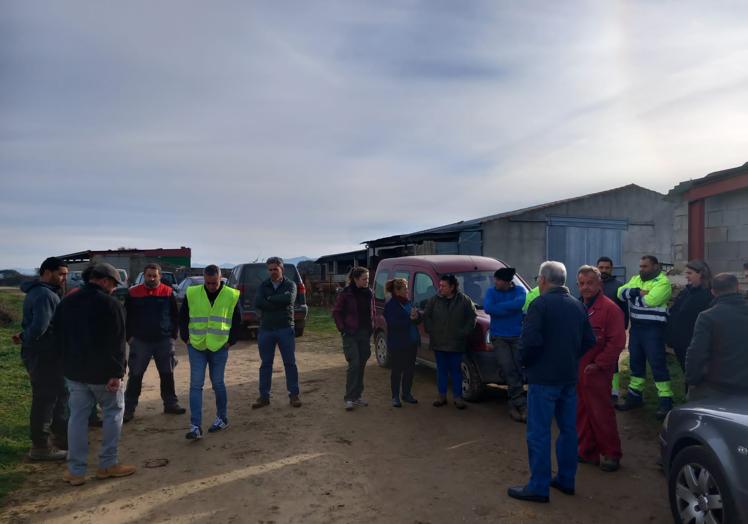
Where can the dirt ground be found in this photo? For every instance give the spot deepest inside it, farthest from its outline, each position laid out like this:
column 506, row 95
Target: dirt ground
column 319, row 463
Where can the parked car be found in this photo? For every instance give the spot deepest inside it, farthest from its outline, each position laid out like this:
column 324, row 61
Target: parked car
column 167, row 278
column 475, row 275
column 121, row 291
column 197, row 280
column 704, row 450
column 247, row 277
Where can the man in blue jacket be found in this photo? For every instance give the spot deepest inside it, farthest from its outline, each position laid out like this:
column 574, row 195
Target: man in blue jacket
column 504, row 304
column 555, row 335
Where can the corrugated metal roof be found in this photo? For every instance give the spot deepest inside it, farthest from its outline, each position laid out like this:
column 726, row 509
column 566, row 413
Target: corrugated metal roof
column 684, row 187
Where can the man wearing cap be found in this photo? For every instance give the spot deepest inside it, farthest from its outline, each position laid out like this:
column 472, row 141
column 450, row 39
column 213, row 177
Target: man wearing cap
column 209, row 324
column 90, row 332
column 47, row 421
column 504, row 303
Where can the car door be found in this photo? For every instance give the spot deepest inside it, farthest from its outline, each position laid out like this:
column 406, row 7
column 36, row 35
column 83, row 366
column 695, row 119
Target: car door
column 423, row 289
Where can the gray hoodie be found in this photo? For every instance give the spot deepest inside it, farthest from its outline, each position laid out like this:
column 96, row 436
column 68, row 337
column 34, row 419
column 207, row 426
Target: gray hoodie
column 38, row 308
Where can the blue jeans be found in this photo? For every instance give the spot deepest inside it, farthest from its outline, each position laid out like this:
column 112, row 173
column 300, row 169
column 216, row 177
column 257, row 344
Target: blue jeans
column 285, row 339
column 216, row 363
column 82, row 399
column 448, row 366
column 543, row 402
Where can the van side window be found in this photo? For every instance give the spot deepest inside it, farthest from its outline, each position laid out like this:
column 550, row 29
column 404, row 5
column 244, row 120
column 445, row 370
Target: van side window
column 423, row 289
column 379, row 282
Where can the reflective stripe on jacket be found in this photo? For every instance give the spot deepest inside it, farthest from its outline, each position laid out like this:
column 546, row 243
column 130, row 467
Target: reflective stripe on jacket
column 651, row 307
column 210, row 324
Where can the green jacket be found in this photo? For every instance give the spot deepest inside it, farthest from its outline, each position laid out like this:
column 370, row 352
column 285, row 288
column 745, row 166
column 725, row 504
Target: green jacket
column 449, row 322
column 532, row 295
column 275, row 306
column 649, row 308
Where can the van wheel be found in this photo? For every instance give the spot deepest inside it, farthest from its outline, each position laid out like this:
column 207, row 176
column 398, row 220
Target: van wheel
column 380, row 349
column 472, row 384
column 698, row 490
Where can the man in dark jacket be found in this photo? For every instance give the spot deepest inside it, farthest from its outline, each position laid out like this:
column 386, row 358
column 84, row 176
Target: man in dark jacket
column 556, row 334
column 48, row 394
column 449, row 319
column 152, row 326
column 610, row 290
column 504, row 303
column 274, row 302
column 90, row 331
column 717, row 359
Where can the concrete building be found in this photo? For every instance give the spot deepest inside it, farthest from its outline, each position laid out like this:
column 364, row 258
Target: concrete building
column 711, row 220
column 132, row 260
column 623, row 223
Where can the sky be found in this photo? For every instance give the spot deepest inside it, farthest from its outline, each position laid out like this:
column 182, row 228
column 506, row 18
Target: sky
column 249, row 129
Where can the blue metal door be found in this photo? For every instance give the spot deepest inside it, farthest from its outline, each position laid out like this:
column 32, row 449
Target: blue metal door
column 579, row 241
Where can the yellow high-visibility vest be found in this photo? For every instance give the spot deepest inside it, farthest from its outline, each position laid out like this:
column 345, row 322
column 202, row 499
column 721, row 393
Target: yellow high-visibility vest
column 210, row 324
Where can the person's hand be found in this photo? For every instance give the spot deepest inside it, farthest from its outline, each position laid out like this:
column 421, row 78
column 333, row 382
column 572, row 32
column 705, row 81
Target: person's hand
column 643, row 292
column 591, row 368
column 16, row 338
column 114, row 384
column 414, row 314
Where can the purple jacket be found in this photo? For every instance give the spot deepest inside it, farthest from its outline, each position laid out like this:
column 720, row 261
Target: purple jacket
column 345, row 311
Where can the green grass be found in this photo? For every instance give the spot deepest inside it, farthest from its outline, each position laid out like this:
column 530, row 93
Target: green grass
column 650, row 392
column 15, row 399
column 320, row 321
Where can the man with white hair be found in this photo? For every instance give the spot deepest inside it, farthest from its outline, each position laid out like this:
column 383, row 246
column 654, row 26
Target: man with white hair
column 556, row 334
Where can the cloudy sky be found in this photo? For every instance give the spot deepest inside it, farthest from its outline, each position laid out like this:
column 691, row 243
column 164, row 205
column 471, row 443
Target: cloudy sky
column 248, row 129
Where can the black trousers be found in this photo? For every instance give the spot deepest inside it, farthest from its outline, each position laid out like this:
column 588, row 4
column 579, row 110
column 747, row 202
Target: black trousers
column 403, row 369
column 141, row 353
column 49, row 399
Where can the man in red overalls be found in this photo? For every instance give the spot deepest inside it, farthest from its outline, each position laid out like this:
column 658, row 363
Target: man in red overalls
column 596, row 419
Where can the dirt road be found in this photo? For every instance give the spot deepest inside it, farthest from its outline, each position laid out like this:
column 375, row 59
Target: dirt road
column 321, row 464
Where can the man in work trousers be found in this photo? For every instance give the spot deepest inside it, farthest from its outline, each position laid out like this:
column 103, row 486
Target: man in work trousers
column 151, row 328
column 504, row 303
column 274, row 301
column 209, row 324
column 599, row 442
column 556, row 334
column 610, row 289
column 717, row 360
column 90, row 331
column 648, row 294
column 49, row 398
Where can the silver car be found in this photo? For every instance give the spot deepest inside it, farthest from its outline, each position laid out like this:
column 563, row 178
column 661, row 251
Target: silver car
column 704, row 445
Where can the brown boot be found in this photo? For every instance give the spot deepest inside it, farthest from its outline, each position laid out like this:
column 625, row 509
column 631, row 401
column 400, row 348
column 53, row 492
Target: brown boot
column 459, row 403
column 73, row 480
column 261, row 402
column 118, row 470
column 294, row 401
column 518, row 414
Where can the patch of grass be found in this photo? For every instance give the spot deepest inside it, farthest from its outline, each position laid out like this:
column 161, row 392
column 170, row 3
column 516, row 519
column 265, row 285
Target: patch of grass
column 15, row 398
column 320, row 321
column 650, row 391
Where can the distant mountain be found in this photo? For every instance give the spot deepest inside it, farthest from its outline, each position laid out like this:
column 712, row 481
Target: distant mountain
column 230, row 265
column 25, row 271
column 296, row 260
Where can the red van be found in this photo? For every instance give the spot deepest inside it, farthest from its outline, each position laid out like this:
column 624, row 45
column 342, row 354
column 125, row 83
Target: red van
column 475, row 275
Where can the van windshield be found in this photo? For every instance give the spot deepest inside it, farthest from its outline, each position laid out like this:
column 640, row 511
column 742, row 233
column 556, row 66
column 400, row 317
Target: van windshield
column 475, row 284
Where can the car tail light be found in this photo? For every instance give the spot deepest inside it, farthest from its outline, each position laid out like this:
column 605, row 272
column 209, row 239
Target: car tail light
column 300, row 288
column 240, row 289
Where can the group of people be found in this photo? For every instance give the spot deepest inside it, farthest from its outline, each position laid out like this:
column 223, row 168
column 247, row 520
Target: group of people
column 565, row 348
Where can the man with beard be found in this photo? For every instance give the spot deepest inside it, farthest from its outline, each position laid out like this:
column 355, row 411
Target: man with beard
column 610, row 289
column 648, row 294
column 151, row 328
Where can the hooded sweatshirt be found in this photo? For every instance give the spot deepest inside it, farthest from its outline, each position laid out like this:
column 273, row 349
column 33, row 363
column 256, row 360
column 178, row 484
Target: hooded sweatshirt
column 38, row 309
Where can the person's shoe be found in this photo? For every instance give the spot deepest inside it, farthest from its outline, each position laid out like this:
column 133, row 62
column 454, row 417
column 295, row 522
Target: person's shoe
column 555, row 484
column 664, row 407
column 609, row 464
column 396, row 402
column 118, row 470
column 459, row 403
column 60, row 443
column 47, row 454
column 176, row 409
column 518, row 414
column 218, row 425
column 349, row 405
column 128, row 416
column 73, row 480
column 633, row 400
column 95, row 422
column 360, row 402
column 583, row 460
column 295, row 401
column 521, row 493
column 409, row 399
column 261, row 402
column 441, row 401
column 195, row 433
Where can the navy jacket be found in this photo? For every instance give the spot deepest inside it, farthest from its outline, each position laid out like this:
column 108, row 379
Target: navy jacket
column 555, row 335
column 402, row 332
column 610, row 290
column 38, row 309
column 505, row 308
column 151, row 314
